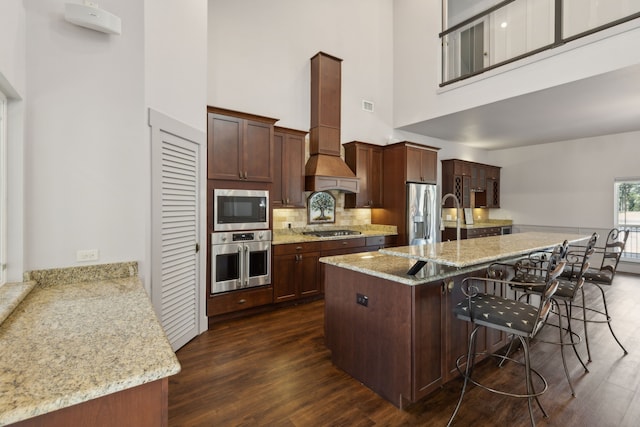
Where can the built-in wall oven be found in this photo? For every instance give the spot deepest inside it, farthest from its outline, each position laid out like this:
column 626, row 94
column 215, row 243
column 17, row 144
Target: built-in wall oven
column 240, row 260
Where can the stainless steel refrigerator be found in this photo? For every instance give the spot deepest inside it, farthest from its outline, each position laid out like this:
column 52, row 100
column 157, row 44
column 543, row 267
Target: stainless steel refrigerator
column 423, row 212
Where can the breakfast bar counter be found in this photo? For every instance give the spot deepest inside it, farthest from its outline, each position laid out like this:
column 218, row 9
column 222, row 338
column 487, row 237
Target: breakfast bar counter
column 395, row 332
column 88, row 344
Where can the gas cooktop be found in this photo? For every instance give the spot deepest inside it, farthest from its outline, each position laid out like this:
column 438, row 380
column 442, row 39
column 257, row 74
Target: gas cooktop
column 331, row 233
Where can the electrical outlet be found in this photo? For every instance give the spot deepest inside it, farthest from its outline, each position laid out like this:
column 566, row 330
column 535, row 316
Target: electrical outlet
column 362, row 300
column 87, row 255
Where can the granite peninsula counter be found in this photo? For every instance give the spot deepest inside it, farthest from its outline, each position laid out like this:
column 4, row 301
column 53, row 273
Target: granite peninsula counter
column 81, row 337
column 394, row 331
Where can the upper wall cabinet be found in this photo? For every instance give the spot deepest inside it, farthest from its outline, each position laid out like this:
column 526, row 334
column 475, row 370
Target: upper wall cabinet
column 240, row 146
column 288, row 173
column 422, row 165
column 365, row 160
column 474, row 184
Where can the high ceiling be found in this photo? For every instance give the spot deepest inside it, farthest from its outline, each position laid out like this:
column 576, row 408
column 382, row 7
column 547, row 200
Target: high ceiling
column 601, row 105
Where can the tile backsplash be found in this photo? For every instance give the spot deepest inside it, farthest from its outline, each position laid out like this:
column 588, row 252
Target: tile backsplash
column 344, row 217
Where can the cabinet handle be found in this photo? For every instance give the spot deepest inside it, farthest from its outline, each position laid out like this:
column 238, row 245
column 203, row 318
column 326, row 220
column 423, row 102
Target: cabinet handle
column 344, row 243
column 242, row 301
column 240, row 174
column 298, row 248
column 245, row 174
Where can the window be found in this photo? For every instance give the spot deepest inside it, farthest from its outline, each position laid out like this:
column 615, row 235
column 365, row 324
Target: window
column 3, row 188
column 627, row 214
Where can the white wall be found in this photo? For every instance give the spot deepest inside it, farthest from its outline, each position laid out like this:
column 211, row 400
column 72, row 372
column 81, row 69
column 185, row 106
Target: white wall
column 566, row 184
column 259, row 56
column 417, row 66
column 86, row 148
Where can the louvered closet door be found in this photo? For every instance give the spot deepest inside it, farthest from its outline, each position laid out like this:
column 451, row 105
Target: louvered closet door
column 175, row 260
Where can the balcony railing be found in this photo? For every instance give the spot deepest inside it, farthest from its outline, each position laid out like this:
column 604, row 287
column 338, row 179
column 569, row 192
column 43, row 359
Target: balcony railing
column 515, row 29
column 632, row 247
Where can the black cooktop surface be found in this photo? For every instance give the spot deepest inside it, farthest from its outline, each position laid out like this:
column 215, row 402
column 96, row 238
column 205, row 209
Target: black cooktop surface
column 331, row 233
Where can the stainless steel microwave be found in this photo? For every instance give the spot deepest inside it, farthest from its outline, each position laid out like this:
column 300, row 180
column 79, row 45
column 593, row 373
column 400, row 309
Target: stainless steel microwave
column 240, row 210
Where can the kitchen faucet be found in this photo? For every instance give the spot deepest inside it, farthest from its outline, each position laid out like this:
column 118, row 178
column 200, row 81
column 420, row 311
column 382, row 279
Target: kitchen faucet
column 457, row 202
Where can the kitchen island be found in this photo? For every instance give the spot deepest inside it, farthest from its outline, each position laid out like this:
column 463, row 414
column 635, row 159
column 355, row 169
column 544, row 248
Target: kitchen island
column 395, row 332
column 84, row 347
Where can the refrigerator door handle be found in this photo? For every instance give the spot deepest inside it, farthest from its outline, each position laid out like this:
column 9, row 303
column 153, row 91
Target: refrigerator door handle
column 427, row 213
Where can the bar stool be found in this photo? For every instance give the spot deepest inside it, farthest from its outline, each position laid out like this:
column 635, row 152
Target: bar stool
column 599, row 277
column 530, row 284
column 518, row 318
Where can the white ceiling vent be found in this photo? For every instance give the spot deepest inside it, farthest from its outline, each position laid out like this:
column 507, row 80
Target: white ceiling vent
column 367, row 106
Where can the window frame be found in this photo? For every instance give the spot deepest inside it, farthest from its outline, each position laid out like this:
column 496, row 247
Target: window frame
column 632, row 249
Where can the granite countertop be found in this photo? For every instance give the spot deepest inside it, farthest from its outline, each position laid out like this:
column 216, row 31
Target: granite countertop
column 483, row 224
column 447, row 259
column 465, row 253
column 71, row 341
column 395, row 268
column 295, row 235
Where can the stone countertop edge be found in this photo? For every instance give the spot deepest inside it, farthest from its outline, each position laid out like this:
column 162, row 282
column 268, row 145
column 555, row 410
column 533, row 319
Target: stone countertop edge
column 394, row 268
column 67, row 343
column 11, row 295
column 469, row 252
column 285, row 236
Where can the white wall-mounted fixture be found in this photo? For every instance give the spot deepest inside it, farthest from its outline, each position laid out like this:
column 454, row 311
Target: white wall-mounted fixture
column 89, row 15
column 367, row 106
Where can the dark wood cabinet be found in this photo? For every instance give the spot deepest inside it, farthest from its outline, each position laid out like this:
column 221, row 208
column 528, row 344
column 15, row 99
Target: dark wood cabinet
column 365, row 160
column 422, row 165
column 449, row 233
column 396, row 158
column 239, row 146
column 288, row 173
column 295, row 271
column 475, row 185
column 404, row 344
column 230, row 302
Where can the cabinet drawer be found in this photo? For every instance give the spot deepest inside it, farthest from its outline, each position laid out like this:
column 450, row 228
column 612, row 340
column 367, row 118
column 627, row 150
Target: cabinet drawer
column 330, row 245
column 380, row 240
column 483, row 232
column 296, row 248
column 239, row 300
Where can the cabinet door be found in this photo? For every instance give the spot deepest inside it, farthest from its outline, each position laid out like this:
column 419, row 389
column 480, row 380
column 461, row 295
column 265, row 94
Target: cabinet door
column 309, row 275
column 429, row 166
column 257, row 152
column 224, row 142
column 366, row 162
column 414, row 165
column 288, row 173
column 457, row 331
column 293, row 164
column 285, row 277
column 428, row 339
column 278, row 190
column 376, row 178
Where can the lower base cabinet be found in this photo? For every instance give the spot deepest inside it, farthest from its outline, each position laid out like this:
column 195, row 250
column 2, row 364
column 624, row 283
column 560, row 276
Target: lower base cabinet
column 143, row 406
column 297, row 272
column 470, row 233
column 404, row 344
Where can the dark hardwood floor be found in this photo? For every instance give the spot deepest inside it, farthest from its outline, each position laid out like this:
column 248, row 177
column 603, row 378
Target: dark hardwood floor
column 273, row 369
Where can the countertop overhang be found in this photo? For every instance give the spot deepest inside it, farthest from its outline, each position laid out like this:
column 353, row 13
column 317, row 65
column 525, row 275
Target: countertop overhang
column 465, row 253
column 447, row 259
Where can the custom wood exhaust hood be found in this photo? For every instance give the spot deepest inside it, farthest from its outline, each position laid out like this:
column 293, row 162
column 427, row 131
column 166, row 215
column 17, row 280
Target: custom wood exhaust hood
column 325, row 169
